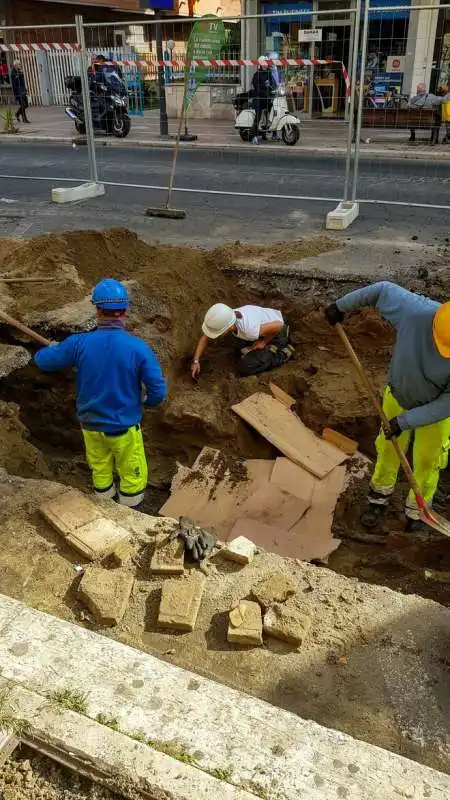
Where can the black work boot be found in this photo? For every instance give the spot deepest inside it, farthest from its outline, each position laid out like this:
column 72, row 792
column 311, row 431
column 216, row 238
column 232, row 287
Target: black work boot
column 416, row 526
column 372, row 514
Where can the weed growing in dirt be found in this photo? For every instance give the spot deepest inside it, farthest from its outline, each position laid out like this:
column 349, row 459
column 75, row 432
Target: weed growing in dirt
column 138, row 736
column 173, row 749
column 71, row 699
column 221, row 773
column 8, row 121
column 110, row 722
column 8, row 722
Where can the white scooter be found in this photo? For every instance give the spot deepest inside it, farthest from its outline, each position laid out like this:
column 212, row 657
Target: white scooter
column 280, row 120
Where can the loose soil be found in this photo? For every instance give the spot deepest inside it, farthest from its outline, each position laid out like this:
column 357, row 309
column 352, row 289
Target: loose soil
column 171, row 288
column 29, row 776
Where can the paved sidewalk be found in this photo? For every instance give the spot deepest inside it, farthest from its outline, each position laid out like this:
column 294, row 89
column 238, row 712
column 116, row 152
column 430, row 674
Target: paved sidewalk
column 319, row 136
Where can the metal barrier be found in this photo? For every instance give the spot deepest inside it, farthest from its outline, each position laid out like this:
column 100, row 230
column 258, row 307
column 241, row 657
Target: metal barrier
column 349, row 74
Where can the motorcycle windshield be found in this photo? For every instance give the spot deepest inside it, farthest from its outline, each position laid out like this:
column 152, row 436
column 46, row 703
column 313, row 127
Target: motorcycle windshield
column 113, row 80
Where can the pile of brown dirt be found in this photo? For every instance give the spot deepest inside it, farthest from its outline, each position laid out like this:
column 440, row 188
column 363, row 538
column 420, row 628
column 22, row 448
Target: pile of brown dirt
column 173, row 288
column 275, row 253
column 17, row 455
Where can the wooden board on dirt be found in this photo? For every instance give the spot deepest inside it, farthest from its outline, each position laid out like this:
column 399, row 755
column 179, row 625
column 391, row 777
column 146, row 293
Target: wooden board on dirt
column 345, row 444
column 285, row 430
column 197, row 493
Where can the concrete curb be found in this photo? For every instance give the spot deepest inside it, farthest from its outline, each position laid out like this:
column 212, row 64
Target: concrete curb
column 264, row 748
column 366, row 152
column 111, row 757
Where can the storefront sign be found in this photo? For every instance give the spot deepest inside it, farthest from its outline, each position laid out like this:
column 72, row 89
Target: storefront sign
column 395, row 64
column 311, row 35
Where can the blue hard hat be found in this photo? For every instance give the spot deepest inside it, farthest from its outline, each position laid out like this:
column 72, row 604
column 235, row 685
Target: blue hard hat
column 110, row 294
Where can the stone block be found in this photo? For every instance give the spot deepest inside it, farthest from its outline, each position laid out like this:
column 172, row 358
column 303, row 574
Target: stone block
column 180, row 602
column 69, row 510
column 276, row 588
column 106, row 594
column 287, row 624
column 122, row 553
column 168, row 556
column 82, row 524
column 98, row 538
column 241, row 550
column 245, row 625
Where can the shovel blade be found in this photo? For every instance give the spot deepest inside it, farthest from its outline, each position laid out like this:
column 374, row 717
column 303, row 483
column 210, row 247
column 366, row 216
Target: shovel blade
column 435, row 521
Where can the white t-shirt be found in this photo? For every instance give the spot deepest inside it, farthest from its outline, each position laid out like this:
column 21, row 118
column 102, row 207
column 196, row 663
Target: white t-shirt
column 252, row 318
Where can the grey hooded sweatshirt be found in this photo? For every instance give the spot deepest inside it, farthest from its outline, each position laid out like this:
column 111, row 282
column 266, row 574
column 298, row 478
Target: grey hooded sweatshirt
column 418, row 375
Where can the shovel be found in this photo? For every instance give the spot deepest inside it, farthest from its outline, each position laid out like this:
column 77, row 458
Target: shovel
column 427, row 514
column 14, row 323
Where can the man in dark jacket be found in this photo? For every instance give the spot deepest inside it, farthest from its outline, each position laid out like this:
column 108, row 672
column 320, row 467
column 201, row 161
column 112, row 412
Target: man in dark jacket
column 19, row 91
column 263, row 84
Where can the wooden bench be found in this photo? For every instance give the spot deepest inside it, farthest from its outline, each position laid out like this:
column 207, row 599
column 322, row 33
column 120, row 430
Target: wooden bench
column 402, row 118
column 424, row 119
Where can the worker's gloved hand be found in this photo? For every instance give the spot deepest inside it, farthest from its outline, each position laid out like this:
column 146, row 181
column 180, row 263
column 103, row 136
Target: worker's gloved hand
column 333, row 315
column 395, row 429
column 197, row 542
column 195, row 369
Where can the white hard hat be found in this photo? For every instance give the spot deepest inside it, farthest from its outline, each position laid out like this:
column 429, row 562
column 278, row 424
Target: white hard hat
column 218, row 319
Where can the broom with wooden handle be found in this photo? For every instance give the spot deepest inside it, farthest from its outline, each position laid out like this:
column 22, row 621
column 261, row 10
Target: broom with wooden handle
column 427, row 514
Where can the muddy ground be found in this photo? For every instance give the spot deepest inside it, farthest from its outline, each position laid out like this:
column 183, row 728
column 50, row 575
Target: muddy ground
column 30, row 776
column 171, row 288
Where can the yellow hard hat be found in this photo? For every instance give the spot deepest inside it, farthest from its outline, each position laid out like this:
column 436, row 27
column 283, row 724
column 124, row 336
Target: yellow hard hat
column 441, row 329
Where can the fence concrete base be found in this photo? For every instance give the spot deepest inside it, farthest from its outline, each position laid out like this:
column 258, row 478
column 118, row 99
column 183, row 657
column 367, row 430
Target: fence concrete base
column 71, row 194
column 342, row 216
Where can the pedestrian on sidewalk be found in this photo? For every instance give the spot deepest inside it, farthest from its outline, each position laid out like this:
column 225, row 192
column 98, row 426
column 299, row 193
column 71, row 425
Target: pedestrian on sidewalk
column 118, row 375
column 262, row 339
column 416, row 399
column 19, row 91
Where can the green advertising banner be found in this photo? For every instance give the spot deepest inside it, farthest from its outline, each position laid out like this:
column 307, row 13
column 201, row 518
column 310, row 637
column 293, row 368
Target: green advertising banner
column 205, row 43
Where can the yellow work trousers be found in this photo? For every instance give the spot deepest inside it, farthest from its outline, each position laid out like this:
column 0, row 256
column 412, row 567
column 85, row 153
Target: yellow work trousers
column 123, row 455
column 430, row 455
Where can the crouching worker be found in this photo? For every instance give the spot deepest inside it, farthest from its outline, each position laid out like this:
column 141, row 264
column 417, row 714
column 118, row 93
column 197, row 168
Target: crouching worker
column 416, row 399
column 117, row 376
column 262, row 337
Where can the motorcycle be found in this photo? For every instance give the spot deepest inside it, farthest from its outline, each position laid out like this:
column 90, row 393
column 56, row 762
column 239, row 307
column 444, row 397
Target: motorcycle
column 109, row 104
column 278, row 121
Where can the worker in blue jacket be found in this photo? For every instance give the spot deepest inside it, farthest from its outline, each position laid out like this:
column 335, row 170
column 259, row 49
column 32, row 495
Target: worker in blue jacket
column 416, row 399
column 117, row 376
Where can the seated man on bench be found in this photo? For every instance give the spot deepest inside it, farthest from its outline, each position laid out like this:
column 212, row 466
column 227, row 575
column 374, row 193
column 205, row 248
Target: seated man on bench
column 424, row 99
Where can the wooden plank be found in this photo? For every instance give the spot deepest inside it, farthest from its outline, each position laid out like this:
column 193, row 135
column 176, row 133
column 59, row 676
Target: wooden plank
column 271, row 505
column 345, row 444
column 8, row 743
column 313, row 532
column 287, row 432
column 293, row 479
column 282, row 396
column 213, row 504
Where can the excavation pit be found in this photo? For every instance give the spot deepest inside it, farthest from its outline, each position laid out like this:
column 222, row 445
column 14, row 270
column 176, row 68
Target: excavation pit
column 171, row 289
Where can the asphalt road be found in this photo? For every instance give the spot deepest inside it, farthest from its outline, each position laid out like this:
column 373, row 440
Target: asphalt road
column 218, row 215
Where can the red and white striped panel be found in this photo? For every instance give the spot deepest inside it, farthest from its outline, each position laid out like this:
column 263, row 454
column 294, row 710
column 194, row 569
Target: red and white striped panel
column 29, row 48
column 176, row 63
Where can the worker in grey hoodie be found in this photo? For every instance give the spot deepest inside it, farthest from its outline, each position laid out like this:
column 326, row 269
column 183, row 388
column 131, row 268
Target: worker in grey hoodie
column 416, row 399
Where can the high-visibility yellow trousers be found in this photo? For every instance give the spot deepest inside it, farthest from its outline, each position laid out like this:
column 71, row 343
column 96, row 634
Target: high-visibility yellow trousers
column 123, row 455
column 430, row 455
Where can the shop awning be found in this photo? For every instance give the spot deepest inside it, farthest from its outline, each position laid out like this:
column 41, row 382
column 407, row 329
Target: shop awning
column 388, row 15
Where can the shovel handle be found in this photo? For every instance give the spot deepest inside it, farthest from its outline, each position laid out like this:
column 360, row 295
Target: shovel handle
column 384, row 420
column 14, row 323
